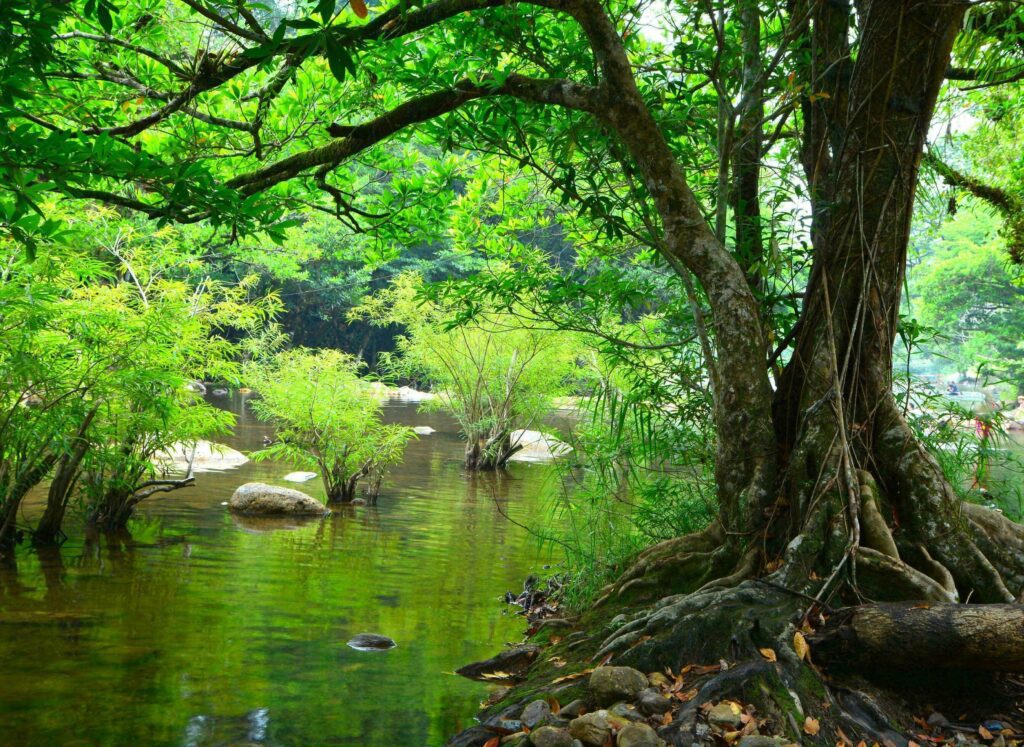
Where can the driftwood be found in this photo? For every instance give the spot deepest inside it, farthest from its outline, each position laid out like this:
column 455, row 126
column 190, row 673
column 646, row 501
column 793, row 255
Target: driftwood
column 924, row 635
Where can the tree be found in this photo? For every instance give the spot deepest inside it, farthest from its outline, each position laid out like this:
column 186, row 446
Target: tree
column 495, row 374
column 99, row 347
column 326, row 418
column 810, row 472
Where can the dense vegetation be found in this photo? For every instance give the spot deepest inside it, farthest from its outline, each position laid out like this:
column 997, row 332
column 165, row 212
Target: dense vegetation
column 744, row 233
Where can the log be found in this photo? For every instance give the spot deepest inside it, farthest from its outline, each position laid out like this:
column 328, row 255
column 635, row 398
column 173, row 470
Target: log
column 923, row 635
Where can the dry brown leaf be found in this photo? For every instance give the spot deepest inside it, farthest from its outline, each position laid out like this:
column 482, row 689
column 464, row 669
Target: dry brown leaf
column 358, row 7
column 496, row 676
column 493, row 742
column 811, row 726
column 803, row 651
column 687, row 696
column 666, row 719
column 553, row 702
column 573, row 676
column 985, row 733
column 555, row 640
column 768, row 654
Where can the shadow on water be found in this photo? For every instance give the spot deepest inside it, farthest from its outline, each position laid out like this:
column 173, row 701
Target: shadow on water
column 199, row 628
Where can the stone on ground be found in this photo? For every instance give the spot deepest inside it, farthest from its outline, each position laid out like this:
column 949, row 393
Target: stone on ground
column 611, row 684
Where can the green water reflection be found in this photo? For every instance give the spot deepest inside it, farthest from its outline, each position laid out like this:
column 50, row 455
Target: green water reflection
column 201, row 629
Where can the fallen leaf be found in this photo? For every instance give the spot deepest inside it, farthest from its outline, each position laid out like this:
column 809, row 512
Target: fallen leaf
column 985, row 733
column 496, row 676
column 768, row 654
column 573, row 676
column 493, row 742
column 555, row 640
column 731, row 737
column 687, row 696
column 553, row 702
column 666, row 719
column 811, row 726
column 803, row 651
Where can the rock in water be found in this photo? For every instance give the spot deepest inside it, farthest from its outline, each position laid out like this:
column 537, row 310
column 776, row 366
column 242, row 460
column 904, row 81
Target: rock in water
column 270, row 500
column 423, row 430
column 537, row 447
column 371, row 642
column 299, row 476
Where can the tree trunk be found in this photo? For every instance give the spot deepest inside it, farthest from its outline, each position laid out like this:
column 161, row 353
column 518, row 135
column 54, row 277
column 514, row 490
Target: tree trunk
column 923, row 636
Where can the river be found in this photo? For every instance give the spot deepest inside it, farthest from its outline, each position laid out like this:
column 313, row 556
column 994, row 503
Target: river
column 204, row 629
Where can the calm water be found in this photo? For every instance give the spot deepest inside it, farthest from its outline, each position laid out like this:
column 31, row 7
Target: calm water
column 204, row 629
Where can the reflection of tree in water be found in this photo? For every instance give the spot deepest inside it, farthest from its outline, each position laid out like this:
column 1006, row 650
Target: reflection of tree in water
column 249, row 728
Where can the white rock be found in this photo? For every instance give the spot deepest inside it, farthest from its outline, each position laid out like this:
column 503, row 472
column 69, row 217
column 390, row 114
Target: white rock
column 204, row 456
column 423, row 430
column 299, row 476
column 537, row 446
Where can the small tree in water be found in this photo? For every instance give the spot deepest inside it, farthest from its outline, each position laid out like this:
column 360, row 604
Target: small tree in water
column 495, row 374
column 327, row 419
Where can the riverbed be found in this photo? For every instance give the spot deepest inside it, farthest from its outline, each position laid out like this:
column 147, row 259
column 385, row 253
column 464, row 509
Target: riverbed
column 200, row 628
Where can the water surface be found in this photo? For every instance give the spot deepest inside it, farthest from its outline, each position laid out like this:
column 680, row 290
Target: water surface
column 205, row 629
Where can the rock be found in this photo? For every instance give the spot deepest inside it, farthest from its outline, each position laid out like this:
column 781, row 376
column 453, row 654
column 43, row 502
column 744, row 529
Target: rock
column 652, row 703
column 591, row 728
column 726, row 716
column 638, row 735
column 519, row 739
column 371, row 642
column 220, row 392
column 474, row 736
column 549, row 736
column 515, row 661
column 299, row 476
column 271, row 500
column 535, row 713
column 609, row 684
column 357, row 502
column 756, row 740
column 408, row 394
column 625, row 711
column 573, row 709
column 537, row 446
column 657, row 679
column 423, row 430
column 203, row 456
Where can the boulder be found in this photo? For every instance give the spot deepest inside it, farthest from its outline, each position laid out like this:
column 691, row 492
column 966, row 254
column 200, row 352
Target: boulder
column 611, row 684
column 638, row 735
column 423, row 430
column 727, row 716
column 591, row 728
column 550, row 736
column 299, row 476
column 371, row 642
column 203, row 456
column 270, row 500
column 537, row 446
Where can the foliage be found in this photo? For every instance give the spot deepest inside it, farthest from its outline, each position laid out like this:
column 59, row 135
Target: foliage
column 326, row 418
column 495, row 374
column 98, row 348
column 966, row 288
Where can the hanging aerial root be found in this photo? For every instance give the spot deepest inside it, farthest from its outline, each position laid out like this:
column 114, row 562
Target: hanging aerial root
column 912, row 636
